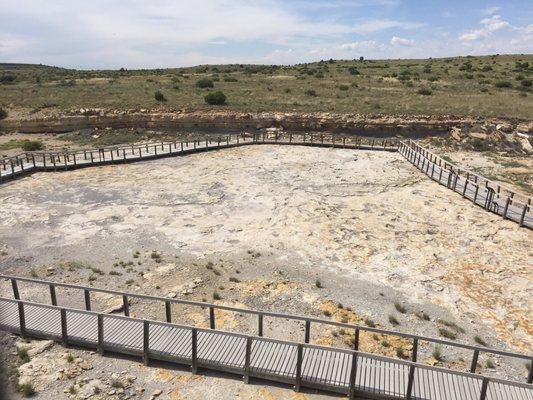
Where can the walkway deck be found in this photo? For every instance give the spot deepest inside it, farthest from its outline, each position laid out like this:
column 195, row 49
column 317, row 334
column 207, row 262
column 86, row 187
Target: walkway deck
column 486, row 194
column 28, row 163
column 331, row 369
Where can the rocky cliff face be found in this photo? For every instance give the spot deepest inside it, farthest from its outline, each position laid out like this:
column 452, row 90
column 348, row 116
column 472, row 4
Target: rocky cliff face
column 376, row 125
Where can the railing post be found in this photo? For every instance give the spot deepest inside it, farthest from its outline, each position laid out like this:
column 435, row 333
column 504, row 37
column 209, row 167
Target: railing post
column 530, row 374
column 126, row 304
column 53, row 297
column 506, row 207
column 415, row 350
column 307, row 330
column 484, row 387
column 353, row 373
column 410, row 382
column 168, row 311
column 14, row 285
column 87, row 295
column 194, row 351
column 22, row 319
column 211, row 317
column 298, row 378
column 247, row 357
column 356, row 340
column 523, row 216
column 473, row 365
column 100, row 334
column 260, row 325
column 146, row 342
column 64, row 334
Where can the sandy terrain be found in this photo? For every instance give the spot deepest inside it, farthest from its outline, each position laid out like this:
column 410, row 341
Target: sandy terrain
column 368, row 226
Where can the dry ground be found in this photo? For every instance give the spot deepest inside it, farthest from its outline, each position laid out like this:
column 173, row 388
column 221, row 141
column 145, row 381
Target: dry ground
column 367, row 225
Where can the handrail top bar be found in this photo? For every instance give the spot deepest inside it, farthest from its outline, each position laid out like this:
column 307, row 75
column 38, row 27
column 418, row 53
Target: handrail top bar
column 140, row 145
column 276, row 315
column 260, row 338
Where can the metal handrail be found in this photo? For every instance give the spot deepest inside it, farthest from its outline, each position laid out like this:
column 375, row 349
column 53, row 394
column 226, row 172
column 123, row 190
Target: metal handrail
column 146, row 348
column 459, row 169
column 358, row 328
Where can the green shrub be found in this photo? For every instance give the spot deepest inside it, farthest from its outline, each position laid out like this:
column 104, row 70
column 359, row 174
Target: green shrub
column 524, row 83
column 22, row 353
column 230, row 79
column 447, row 333
column 3, row 113
column 205, row 83
column 32, row 145
column 353, row 71
column 437, row 353
column 7, row 79
column 215, row 98
column 318, row 284
column 424, row 92
column 503, row 84
column 159, row 96
column 27, row 389
column 311, row 93
column 344, row 87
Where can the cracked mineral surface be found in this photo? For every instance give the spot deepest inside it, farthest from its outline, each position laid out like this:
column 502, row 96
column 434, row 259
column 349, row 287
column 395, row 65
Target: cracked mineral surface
column 335, row 233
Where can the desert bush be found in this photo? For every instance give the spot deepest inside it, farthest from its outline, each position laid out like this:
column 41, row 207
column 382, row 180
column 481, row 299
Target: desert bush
column 215, row 98
column 353, row 71
column 424, row 91
column 503, row 84
column 32, row 145
column 526, row 83
column 205, row 83
column 230, row 79
column 311, row 93
column 27, row 389
column 159, row 96
column 344, row 87
column 393, row 320
column 7, row 79
column 3, row 113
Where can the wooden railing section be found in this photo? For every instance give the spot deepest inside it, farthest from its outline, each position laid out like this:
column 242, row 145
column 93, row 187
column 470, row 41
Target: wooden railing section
column 29, row 162
column 167, row 303
column 481, row 191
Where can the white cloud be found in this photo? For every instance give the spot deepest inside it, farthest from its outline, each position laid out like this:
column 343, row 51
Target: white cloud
column 398, row 41
column 137, row 33
column 490, row 25
column 495, row 23
column 491, row 10
column 362, row 45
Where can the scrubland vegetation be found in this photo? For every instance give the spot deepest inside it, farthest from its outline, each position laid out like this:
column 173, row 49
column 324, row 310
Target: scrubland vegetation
column 486, row 86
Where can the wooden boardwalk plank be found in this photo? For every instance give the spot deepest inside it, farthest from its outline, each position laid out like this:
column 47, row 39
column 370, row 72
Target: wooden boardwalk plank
column 325, row 367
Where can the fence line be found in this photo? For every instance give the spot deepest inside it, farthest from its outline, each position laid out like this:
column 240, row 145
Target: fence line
column 303, row 365
column 261, row 315
column 29, row 162
column 479, row 190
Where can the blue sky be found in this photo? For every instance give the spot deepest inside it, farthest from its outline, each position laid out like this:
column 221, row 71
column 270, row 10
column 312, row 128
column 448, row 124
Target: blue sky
column 165, row 33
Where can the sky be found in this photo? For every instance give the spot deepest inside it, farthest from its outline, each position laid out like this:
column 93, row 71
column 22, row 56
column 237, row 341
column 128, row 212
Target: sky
column 112, row 34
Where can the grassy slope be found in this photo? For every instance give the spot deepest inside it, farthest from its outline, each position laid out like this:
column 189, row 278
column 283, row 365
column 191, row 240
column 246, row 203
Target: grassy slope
column 456, row 88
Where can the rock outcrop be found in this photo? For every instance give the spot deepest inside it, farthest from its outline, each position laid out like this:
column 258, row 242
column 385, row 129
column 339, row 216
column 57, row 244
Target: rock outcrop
column 376, row 125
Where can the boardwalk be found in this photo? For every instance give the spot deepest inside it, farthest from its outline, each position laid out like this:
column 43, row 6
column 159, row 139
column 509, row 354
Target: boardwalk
column 489, row 196
column 28, row 163
column 301, row 364
column 479, row 190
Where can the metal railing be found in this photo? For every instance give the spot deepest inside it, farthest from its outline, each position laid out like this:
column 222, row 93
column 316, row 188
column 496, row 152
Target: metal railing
column 351, row 372
column 481, row 191
column 29, row 162
column 357, row 329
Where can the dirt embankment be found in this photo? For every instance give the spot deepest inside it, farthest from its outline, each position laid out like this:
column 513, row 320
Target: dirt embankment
column 375, row 125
